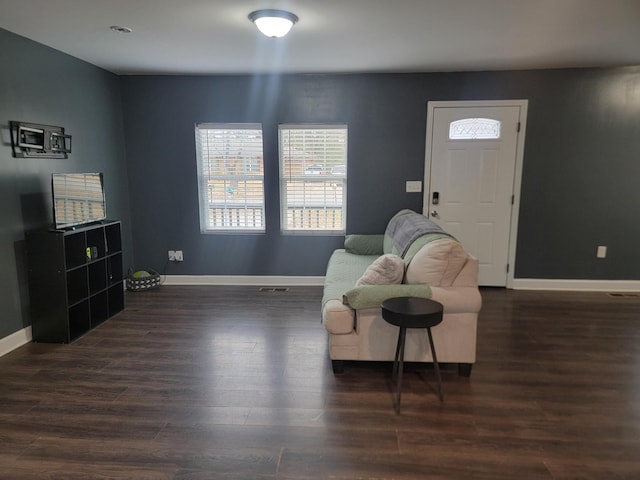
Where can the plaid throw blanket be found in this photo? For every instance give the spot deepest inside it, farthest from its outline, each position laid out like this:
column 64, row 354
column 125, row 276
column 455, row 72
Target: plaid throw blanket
column 405, row 229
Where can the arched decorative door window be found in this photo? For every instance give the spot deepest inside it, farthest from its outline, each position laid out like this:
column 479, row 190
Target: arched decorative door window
column 474, row 128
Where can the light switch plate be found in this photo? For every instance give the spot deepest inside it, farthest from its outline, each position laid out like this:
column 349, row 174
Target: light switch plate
column 414, row 186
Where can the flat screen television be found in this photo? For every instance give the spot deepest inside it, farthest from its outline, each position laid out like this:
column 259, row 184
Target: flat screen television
column 78, row 199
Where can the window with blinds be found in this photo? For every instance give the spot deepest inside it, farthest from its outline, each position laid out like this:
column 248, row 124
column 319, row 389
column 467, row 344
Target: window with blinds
column 230, row 177
column 313, row 178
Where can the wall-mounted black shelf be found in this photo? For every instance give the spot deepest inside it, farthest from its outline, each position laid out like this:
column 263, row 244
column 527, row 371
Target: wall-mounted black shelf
column 75, row 280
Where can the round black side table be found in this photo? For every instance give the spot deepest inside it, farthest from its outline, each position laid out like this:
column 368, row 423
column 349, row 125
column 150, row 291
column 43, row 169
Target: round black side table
column 412, row 312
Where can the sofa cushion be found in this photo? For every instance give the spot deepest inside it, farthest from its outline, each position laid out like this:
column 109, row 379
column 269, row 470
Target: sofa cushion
column 420, row 242
column 343, row 271
column 437, row 263
column 387, row 269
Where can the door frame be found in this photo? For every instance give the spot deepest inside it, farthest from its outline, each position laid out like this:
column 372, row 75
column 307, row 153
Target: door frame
column 517, row 177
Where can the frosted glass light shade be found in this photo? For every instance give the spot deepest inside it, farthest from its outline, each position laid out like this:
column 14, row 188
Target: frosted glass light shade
column 273, row 23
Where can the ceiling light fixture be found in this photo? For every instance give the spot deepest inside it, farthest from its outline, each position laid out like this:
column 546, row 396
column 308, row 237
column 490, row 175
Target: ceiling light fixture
column 273, row 23
column 119, row 29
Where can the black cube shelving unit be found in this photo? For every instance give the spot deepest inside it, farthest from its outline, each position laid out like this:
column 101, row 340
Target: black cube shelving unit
column 75, row 280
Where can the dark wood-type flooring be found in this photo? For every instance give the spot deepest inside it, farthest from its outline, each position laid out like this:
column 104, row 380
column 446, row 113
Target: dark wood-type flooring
column 231, row 382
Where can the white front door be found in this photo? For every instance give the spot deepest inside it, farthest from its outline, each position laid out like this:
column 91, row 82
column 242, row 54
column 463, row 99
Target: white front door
column 472, row 154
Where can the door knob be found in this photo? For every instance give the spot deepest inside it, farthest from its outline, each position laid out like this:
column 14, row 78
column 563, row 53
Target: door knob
column 434, row 214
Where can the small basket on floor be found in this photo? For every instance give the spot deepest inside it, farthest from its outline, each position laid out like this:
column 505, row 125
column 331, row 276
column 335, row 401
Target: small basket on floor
column 142, row 280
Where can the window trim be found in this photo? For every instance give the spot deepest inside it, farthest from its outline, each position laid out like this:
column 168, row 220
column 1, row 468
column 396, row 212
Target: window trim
column 203, row 200
column 311, row 178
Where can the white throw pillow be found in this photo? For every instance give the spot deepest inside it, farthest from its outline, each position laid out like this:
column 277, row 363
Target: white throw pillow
column 385, row 270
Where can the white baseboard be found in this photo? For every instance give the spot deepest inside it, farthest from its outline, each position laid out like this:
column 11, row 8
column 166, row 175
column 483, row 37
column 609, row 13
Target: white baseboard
column 577, row 285
column 15, row 340
column 249, row 280
column 518, row 283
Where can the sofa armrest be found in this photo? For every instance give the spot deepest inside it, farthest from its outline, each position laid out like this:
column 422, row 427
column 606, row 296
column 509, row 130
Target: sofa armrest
column 368, row 296
column 337, row 318
column 364, row 244
column 458, row 299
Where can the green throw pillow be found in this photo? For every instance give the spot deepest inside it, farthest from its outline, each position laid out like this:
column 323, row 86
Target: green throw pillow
column 364, row 244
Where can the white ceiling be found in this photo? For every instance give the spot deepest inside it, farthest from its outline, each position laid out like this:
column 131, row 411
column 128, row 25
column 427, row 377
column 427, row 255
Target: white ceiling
column 215, row 36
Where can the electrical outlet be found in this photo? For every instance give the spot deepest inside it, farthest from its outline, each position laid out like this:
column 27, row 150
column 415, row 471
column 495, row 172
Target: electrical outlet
column 601, row 252
column 172, row 256
column 179, row 256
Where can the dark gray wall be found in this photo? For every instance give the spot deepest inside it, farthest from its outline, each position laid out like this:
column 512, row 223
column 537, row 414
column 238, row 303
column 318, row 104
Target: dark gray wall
column 41, row 85
column 580, row 179
column 579, row 186
column 160, row 113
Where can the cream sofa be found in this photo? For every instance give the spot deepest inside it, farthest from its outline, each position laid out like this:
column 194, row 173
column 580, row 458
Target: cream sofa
column 435, row 266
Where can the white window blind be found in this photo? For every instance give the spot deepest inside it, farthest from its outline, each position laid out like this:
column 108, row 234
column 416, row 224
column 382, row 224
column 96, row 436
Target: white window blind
column 230, row 177
column 313, row 178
